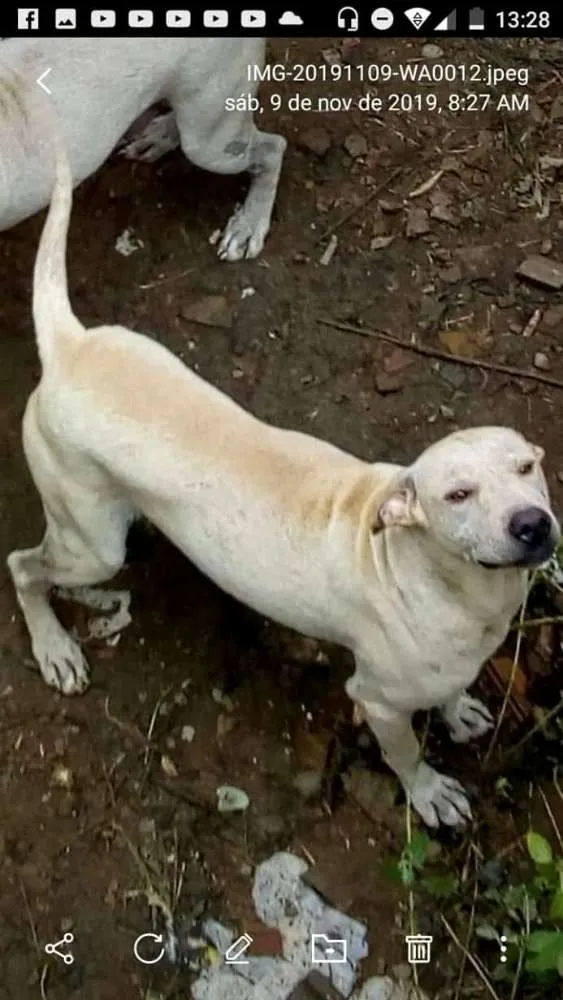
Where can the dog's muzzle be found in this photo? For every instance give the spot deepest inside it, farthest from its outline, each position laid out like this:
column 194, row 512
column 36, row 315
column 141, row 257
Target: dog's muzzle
column 536, row 538
column 533, row 530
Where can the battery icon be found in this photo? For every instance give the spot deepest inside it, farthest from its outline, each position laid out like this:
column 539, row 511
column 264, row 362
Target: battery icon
column 476, row 19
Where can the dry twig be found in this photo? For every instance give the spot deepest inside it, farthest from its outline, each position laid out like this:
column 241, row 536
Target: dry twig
column 434, row 352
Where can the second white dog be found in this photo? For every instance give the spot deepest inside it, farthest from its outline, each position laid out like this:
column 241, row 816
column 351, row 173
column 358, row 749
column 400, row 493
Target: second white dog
column 101, row 85
column 417, row 570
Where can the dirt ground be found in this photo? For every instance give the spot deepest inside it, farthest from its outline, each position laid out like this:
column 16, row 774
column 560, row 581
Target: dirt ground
column 103, row 795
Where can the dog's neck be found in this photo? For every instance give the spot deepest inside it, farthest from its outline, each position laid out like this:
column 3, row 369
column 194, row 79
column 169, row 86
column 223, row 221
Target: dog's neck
column 411, row 553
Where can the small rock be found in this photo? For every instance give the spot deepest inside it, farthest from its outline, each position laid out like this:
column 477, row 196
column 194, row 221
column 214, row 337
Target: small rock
column 556, row 113
column 397, row 360
column 168, row 766
column 542, row 271
column 454, row 375
column 542, row 362
column 308, row 783
column 402, row 972
column 231, row 799
column 418, row 223
column 271, row 825
column 188, row 734
column 381, row 242
column 147, row 828
column 331, row 57
column 447, row 412
column 386, row 383
column 450, row 275
column 315, row 987
column 390, row 206
column 553, row 317
column 355, row 144
column 431, row 51
column 63, row 777
column 457, row 342
column 352, row 51
column 315, row 140
column 265, row 941
column 212, row 310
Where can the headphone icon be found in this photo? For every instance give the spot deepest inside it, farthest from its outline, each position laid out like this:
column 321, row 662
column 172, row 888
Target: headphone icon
column 348, row 18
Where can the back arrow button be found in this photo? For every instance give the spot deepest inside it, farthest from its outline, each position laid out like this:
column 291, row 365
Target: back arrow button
column 40, row 81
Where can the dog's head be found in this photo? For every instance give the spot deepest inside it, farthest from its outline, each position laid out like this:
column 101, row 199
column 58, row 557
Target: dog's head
column 482, row 495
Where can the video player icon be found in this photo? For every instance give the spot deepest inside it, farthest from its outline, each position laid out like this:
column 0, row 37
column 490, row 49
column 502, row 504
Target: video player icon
column 215, row 18
column 253, row 18
column 103, row 19
column 178, row 18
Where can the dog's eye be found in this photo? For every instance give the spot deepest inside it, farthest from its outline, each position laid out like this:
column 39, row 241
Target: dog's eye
column 526, row 468
column 458, row 496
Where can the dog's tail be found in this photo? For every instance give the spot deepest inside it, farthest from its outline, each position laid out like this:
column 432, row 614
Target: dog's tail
column 55, row 322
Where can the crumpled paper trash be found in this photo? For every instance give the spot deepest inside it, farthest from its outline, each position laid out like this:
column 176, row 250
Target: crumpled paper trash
column 283, row 901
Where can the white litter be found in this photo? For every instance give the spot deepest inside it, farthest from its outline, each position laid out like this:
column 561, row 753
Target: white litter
column 231, row 799
column 304, row 920
column 126, row 244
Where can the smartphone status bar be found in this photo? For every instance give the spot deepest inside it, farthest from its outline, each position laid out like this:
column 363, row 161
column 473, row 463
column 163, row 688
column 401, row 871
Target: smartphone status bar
column 398, row 21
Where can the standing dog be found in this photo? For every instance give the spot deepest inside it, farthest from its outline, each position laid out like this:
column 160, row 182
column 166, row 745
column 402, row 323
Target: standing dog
column 100, row 86
column 417, row 570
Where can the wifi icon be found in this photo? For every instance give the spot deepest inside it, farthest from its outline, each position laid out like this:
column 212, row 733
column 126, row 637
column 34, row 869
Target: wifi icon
column 418, row 16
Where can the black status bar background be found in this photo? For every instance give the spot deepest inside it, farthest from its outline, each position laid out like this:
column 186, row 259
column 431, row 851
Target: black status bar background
column 293, row 20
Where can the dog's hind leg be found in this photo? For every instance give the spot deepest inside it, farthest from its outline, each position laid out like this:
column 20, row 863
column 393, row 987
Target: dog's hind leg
column 84, row 544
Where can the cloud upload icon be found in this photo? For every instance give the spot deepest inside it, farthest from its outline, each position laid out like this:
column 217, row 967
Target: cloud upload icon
column 289, row 19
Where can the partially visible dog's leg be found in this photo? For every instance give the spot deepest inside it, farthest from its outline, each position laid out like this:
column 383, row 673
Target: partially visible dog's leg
column 228, row 142
column 246, row 230
column 84, row 544
column 158, row 137
column 466, row 718
column 436, row 797
column 117, row 602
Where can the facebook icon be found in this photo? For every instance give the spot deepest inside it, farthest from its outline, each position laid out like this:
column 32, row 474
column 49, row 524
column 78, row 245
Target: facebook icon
column 28, row 18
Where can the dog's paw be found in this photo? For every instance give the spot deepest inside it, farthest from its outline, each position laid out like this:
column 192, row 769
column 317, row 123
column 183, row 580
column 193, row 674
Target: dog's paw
column 244, row 236
column 61, row 661
column 159, row 137
column 439, row 799
column 468, row 719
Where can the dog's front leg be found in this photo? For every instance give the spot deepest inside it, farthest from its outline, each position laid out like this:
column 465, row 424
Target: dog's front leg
column 436, row 797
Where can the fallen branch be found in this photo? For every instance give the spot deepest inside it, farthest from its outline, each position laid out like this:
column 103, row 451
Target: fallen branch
column 363, row 204
column 434, row 352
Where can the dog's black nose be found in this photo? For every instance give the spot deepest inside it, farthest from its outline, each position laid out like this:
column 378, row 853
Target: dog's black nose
column 531, row 527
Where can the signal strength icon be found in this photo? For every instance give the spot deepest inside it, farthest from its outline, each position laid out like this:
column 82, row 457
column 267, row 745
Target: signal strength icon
column 418, row 16
column 448, row 23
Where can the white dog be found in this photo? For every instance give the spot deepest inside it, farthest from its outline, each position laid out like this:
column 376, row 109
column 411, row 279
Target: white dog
column 101, row 85
column 417, row 570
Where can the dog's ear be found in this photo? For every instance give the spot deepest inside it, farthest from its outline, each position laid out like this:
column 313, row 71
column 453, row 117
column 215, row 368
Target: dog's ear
column 400, row 507
column 538, row 452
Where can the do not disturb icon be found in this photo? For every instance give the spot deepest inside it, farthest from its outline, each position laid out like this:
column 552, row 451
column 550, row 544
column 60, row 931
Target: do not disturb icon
column 54, row 949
